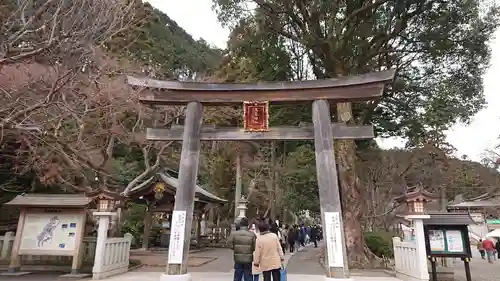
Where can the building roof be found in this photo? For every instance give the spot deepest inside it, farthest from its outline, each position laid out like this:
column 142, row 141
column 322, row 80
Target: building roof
column 416, row 193
column 170, row 177
column 443, row 218
column 485, row 200
column 50, row 200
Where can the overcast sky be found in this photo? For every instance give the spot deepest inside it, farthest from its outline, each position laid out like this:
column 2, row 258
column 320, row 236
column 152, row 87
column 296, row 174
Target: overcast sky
column 198, row 19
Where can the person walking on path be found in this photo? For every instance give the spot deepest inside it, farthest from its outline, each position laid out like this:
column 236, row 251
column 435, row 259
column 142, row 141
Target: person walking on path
column 497, row 248
column 243, row 243
column 284, row 239
column 292, row 238
column 489, row 248
column 481, row 249
column 268, row 253
column 314, row 236
column 255, row 270
column 302, row 235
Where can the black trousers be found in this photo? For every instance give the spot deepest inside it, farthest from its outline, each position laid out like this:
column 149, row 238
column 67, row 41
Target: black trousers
column 315, row 243
column 274, row 272
column 292, row 246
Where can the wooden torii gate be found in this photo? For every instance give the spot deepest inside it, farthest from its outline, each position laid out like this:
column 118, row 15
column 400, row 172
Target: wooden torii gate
column 255, row 98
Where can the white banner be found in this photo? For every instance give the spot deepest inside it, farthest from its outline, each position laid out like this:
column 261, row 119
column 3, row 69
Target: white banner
column 333, row 237
column 176, row 245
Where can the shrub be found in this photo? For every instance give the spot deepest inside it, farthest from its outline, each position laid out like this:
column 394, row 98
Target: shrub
column 380, row 243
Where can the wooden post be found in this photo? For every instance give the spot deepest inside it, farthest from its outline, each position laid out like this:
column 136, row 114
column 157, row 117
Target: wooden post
column 272, row 197
column 147, row 227
column 15, row 259
column 184, row 197
column 78, row 256
column 237, row 193
column 336, row 265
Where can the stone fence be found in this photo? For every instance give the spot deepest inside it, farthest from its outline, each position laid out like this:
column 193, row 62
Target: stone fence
column 115, row 256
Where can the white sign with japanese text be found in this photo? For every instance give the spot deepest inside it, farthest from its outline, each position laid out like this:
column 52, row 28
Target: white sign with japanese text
column 333, row 239
column 176, row 245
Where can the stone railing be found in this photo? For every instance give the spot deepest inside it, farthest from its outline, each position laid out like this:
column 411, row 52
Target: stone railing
column 6, row 243
column 406, row 260
column 57, row 262
column 115, row 257
column 217, row 237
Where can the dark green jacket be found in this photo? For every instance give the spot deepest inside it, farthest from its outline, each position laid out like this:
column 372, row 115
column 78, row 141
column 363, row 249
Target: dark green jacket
column 243, row 244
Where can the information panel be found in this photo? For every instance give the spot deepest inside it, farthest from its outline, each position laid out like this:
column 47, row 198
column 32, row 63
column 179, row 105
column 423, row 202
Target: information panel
column 333, row 235
column 50, row 232
column 176, row 246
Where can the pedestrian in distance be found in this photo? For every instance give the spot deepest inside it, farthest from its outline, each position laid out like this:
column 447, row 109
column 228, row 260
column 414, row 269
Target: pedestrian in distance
column 314, row 236
column 489, row 248
column 481, row 249
column 292, row 238
column 243, row 243
column 497, row 248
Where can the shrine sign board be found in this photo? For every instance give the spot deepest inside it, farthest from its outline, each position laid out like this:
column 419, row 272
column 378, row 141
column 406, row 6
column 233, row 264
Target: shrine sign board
column 256, row 116
column 49, row 224
column 447, row 241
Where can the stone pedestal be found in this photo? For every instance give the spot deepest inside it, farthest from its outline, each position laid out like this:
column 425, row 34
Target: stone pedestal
column 104, row 219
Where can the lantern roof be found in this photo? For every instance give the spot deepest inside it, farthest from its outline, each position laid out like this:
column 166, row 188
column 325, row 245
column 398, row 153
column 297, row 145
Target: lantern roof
column 105, row 193
column 416, row 193
column 50, row 200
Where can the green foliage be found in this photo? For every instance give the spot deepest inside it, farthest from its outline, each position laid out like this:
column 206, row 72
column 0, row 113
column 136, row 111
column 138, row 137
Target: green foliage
column 380, row 243
column 439, row 48
column 299, row 180
column 134, row 223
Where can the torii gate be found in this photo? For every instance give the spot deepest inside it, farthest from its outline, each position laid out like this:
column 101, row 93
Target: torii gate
column 256, row 98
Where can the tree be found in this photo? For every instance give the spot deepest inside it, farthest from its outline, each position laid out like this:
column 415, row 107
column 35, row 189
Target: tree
column 57, row 33
column 67, row 107
column 439, row 49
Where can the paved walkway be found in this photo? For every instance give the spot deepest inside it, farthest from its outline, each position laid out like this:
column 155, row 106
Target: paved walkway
column 306, row 261
column 199, row 276
column 480, row 269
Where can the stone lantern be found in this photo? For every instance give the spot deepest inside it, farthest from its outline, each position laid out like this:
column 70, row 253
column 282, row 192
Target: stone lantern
column 242, row 207
column 416, row 198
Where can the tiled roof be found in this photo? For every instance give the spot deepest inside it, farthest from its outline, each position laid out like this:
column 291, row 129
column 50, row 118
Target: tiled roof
column 50, row 200
column 442, row 218
column 173, row 182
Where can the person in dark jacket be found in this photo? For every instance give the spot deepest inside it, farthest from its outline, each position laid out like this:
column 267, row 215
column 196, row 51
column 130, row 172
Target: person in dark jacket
column 314, row 236
column 497, row 247
column 242, row 242
column 292, row 238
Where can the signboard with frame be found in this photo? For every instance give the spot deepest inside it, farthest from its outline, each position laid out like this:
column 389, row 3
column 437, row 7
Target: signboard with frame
column 256, row 116
column 447, row 241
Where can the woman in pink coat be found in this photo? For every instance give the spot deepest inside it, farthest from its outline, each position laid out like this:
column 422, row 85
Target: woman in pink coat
column 268, row 254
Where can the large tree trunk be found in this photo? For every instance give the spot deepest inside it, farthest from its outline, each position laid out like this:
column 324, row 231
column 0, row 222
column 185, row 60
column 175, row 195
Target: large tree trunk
column 353, row 203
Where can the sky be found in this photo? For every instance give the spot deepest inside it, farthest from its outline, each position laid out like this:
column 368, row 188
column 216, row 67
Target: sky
column 198, row 19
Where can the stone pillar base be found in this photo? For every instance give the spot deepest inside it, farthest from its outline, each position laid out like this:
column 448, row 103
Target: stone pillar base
column 183, row 277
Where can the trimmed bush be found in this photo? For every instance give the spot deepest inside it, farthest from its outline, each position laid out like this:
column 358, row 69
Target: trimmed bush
column 380, row 243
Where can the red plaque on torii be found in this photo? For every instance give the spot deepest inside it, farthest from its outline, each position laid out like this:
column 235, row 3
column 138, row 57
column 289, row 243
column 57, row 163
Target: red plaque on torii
column 256, row 116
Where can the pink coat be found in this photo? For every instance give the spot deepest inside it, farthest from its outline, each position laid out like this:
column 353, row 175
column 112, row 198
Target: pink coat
column 268, row 253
